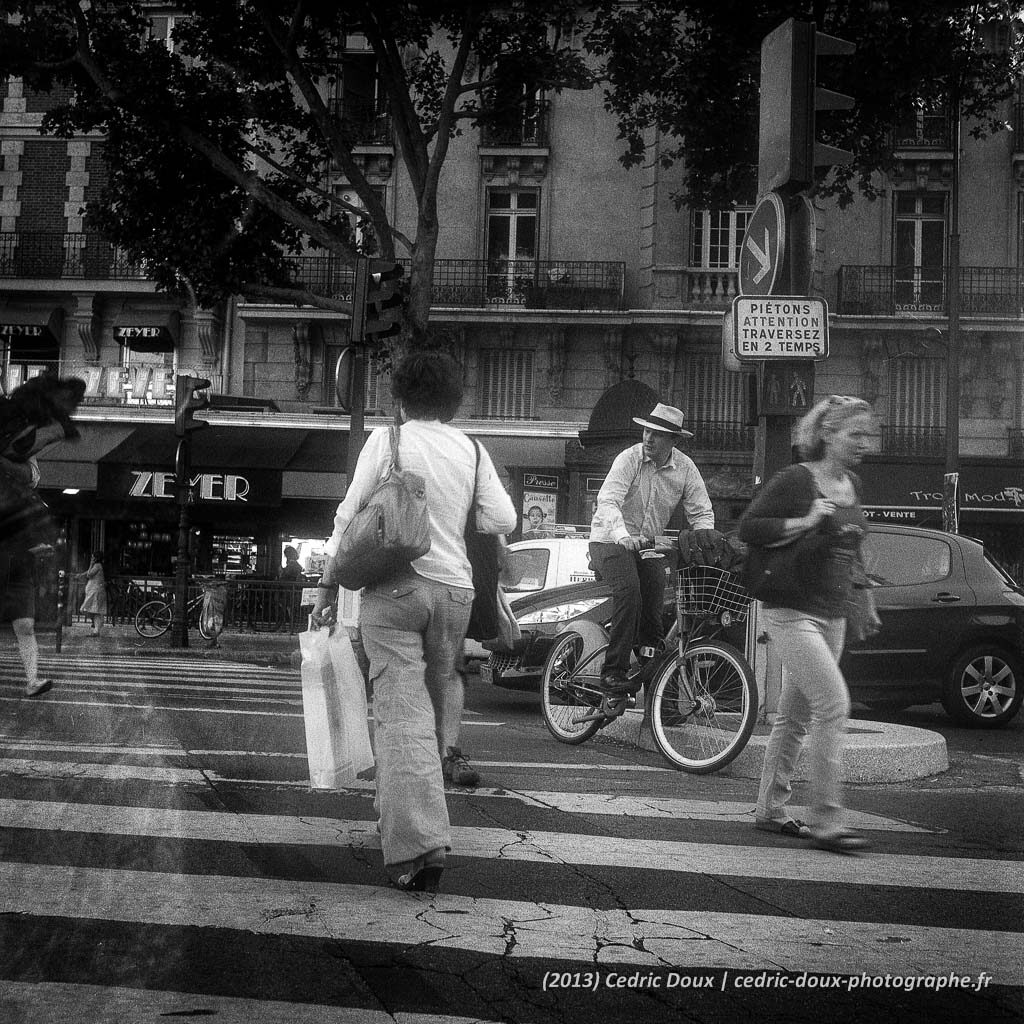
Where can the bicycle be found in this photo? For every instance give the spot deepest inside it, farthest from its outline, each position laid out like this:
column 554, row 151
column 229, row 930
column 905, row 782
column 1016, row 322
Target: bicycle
column 154, row 618
column 700, row 694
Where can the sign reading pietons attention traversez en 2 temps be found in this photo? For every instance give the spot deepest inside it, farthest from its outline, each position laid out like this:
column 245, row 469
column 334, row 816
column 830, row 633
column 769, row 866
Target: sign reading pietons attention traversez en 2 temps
column 780, row 327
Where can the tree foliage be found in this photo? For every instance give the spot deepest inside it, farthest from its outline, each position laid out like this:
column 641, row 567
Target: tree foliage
column 220, row 149
column 691, row 70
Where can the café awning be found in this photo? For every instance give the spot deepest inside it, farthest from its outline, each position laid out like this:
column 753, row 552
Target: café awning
column 148, row 330
column 42, row 326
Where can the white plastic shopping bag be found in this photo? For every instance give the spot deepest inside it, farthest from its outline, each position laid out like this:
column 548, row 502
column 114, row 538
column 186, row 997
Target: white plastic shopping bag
column 334, row 709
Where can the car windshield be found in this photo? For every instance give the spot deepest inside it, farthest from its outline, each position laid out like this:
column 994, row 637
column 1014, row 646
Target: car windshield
column 527, row 570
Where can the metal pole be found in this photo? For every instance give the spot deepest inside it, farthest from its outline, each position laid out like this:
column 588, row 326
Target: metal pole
column 951, row 476
column 182, row 470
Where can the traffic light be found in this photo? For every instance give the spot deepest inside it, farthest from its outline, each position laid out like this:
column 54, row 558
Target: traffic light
column 788, row 152
column 186, row 402
column 386, row 294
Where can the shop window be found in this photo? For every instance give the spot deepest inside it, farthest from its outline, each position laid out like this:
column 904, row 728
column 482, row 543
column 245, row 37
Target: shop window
column 919, row 247
column 512, row 233
column 716, row 237
column 916, row 420
column 506, row 384
column 148, row 377
column 28, row 357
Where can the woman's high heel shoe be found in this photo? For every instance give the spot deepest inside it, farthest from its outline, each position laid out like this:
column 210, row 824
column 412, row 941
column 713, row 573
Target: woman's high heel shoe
column 420, row 875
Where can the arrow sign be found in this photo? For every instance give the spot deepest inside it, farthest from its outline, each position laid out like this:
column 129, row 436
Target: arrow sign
column 761, row 255
column 761, row 251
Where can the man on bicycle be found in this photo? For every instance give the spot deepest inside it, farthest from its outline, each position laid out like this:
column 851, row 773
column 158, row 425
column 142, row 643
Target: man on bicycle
column 643, row 487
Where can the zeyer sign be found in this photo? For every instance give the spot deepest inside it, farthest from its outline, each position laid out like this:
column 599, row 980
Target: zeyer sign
column 780, row 327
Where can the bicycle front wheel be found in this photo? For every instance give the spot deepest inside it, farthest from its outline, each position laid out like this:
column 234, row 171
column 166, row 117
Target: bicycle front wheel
column 564, row 693
column 702, row 707
column 153, row 619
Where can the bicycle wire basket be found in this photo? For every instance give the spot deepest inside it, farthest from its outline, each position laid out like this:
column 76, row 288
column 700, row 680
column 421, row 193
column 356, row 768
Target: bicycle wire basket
column 706, row 590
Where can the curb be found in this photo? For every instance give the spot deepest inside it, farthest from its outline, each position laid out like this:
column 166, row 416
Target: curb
column 874, row 751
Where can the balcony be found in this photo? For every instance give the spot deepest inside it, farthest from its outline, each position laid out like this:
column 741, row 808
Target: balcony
column 890, row 291
column 528, row 130
column 917, row 441
column 924, row 130
column 65, row 255
column 722, row 436
column 363, row 123
column 485, row 284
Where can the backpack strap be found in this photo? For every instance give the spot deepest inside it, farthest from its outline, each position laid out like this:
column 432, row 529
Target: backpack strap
column 395, row 463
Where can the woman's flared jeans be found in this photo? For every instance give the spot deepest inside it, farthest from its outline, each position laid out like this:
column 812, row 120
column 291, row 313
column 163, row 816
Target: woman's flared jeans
column 814, row 706
column 413, row 630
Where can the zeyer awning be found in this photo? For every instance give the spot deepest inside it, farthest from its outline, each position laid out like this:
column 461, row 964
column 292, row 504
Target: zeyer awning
column 148, row 331
column 42, row 326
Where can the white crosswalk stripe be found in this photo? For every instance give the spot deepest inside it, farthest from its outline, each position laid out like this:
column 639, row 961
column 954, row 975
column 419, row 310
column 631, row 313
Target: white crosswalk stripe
column 80, row 800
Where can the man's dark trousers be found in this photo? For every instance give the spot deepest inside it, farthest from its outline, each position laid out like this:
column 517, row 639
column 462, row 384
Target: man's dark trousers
column 638, row 590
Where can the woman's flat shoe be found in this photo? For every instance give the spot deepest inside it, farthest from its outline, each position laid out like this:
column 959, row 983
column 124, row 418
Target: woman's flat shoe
column 844, row 842
column 794, row 828
column 420, row 875
column 39, row 688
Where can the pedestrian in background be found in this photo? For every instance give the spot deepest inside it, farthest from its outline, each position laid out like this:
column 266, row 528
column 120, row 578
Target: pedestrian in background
column 820, row 496
column 292, row 571
column 413, row 626
column 95, row 603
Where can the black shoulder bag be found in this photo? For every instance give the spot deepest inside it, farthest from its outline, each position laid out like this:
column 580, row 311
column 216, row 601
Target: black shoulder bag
column 482, row 549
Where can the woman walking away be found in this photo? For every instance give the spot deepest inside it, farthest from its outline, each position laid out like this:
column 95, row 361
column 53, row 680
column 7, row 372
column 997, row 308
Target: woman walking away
column 808, row 524
column 95, row 603
column 414, row 624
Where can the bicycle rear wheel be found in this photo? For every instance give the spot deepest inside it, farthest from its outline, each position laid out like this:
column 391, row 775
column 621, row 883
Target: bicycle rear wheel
column 564, row 695
column 153, row 619
column 702, row 707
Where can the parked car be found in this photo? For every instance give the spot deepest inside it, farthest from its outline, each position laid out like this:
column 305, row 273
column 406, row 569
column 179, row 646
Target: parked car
column 952, row 629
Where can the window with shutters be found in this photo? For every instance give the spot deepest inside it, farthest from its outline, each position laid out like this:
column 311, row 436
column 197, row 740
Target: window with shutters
column 714, row 400
column 917, row 407
column 506, row 384
column 378, row 388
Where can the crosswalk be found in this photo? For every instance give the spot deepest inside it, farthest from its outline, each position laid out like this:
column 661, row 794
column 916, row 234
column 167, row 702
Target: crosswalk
column 144, row 877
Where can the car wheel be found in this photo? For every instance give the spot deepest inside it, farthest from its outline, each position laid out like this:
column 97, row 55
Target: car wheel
column 984, row 688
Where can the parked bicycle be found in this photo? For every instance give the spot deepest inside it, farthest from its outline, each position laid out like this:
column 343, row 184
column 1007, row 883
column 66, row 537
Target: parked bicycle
column 700, row 694
column 154, row 618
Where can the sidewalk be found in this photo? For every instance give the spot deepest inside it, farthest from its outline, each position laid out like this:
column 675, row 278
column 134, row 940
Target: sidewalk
column 874, row 751
column 251, row 648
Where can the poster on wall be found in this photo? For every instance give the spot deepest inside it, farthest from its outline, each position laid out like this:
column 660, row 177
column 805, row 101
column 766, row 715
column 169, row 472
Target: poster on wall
column 540, row 513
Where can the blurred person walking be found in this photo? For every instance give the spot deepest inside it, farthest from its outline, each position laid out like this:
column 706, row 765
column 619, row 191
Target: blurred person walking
column 807, row 527
column 414, row 625
column 95, row 603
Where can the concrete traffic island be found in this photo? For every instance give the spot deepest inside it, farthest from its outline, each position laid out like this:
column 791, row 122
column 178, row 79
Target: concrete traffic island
column 875, row 751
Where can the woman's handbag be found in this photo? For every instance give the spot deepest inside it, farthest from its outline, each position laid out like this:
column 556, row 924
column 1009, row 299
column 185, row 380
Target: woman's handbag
column 334, row 709
column 485, row 622
column 787, row 573
column 389, row 531
column 862, row 619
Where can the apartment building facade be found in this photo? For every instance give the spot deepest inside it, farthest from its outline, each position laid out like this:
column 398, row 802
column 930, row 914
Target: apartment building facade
column 575, row 294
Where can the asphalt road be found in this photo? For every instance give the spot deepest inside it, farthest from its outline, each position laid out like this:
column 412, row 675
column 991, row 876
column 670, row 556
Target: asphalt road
column 162, row 856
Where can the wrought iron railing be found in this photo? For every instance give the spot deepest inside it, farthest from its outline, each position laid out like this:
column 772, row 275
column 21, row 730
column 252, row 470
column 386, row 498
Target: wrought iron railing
column 478, row 284
column 920, row 441
column 924, row 129
column 528, row 129
column 253, row 606
column 722, row 435
column 75, row 255
column 888, row 291
column 363, row 122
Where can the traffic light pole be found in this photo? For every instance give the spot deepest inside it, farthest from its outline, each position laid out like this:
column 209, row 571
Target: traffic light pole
column 182, row 469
